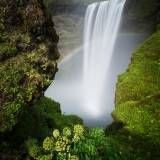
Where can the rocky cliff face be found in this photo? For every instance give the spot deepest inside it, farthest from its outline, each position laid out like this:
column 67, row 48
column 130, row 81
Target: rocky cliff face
column 28, row 53
column 77, row 7
column 142, row 15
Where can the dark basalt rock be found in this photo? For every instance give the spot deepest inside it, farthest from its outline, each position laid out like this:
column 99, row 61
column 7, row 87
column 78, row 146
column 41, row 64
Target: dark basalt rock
column 141, row 15
column 75, row 9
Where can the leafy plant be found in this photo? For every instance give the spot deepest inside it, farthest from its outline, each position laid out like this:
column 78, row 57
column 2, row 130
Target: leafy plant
column 75, row 143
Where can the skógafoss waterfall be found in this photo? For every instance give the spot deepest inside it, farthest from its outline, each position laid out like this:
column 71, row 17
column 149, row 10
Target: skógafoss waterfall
column 102, row 22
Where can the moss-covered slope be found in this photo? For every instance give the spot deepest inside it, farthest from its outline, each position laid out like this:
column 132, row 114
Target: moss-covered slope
column 28, row 50
column 137, row 114
column 138, row 91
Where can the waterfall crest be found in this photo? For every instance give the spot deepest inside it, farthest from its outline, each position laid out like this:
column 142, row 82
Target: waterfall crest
column 102, row 22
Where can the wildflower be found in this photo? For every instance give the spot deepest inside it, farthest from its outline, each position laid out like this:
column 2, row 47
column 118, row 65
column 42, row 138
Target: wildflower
column 78, row 129
column 56, row 133
column 73, row 157
column 62, row 144
column 76, row 138
column 67, row 132
column 48, row 144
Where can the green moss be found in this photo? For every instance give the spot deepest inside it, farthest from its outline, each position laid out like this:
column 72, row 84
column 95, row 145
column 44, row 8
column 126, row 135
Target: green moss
column 140, row 118
column 47, row 107
column 7, row 51
column 142, row 78
column 127, row 146
column 38, row 120
column 13, row 43
column 50, row 110
column 62, row 121
column 27, row 38
column 2, row 27
column 138, row 103
column 22, row 77
column 25, row 66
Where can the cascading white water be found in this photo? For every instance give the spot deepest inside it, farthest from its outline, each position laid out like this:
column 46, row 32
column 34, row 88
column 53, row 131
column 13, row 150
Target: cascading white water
column 102, row 22
column 90, row 93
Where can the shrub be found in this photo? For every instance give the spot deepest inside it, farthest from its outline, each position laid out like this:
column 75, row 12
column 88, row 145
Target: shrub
column 39, row 119
column 75, row 143
column 32, row 147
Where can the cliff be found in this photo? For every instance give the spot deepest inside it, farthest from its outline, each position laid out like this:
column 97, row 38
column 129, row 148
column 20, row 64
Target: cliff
column 141, row 15
column 28, row 53
column 135, row 132
column 136, row 128
column 77, row 7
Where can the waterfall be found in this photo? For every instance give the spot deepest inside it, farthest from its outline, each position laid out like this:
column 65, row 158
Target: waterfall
column 85, row 82
column 102, row 22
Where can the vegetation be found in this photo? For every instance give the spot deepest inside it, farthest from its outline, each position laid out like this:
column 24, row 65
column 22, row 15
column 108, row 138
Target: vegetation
column 36, row 121
column 138, row 102
column 26, row 62
column 28, row 53
column 33, row 126
column 75, row 143
column 22, row 79
column 140, row 86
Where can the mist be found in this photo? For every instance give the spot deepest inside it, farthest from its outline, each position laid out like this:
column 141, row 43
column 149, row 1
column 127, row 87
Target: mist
column 67, row 87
